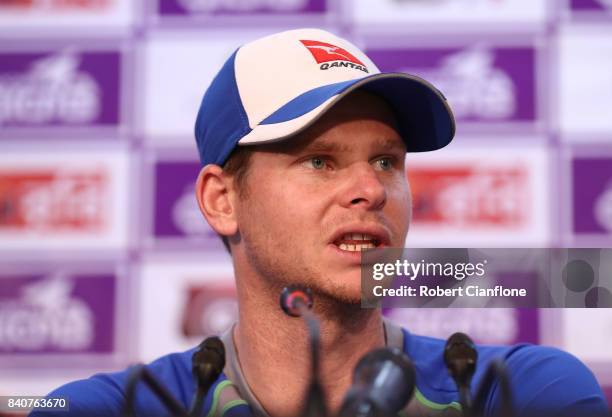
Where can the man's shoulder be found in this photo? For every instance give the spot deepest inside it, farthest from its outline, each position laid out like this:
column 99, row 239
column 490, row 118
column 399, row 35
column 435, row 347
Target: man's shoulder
column 542, row 378
column 429, row 351
column 103, row 394
column 542, row 373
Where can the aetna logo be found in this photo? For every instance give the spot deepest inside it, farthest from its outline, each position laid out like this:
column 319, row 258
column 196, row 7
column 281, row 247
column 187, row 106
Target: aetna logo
column 330, row 56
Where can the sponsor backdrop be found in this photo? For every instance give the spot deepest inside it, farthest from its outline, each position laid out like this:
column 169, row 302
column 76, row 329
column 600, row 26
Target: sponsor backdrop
column 104, row 257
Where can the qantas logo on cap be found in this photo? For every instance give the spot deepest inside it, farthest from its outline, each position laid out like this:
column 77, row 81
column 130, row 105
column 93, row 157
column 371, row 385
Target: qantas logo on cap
column 330, row 56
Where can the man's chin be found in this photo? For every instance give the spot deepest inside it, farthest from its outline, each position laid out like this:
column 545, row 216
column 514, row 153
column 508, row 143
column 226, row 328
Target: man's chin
column 346, row 294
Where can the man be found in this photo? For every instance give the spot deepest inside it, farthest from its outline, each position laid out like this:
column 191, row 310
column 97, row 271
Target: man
column 303, row 144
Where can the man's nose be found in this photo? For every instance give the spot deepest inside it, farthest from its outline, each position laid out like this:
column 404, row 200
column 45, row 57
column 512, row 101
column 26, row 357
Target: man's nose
column 363, row 188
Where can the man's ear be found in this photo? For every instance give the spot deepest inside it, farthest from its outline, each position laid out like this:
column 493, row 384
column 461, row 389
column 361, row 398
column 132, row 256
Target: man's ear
column 213, row 193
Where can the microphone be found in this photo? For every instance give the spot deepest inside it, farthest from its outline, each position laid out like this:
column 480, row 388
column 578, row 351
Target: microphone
column 383, row 383
column 207, row 363
column 460, row 357
column 297, row 301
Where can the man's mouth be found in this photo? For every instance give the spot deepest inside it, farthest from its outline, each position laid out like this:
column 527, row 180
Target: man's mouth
column 357, row 242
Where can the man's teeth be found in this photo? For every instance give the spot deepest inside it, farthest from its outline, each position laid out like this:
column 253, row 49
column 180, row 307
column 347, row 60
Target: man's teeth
column 356, row 248
column 357, row 236
column 368, row 242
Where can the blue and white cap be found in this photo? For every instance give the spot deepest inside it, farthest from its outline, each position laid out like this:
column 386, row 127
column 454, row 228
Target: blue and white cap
column 274, row 87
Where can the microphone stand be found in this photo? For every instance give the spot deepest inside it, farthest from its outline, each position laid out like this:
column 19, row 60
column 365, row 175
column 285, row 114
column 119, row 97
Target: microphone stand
column 297, row 301
column 138, row 373
column 207, row 364
column 496, row 369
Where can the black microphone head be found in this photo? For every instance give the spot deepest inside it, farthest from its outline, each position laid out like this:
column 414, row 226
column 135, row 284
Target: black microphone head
column 215, row 344
column 293, row 298
column 383, row 383
column 208, row 361
column 460, row 357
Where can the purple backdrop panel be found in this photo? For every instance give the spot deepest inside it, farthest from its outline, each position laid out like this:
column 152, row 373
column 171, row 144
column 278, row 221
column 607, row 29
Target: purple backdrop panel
column 592, row 195
column 65, row 87
column 484, row 84
column 57, row 313
column 240, row 7
column 503, row 326
column 528, row 320
column 591, row 5
column 608, row 393
column 177, row 214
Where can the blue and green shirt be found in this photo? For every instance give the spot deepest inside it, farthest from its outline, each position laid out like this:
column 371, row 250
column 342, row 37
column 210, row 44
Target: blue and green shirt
column 544, row 380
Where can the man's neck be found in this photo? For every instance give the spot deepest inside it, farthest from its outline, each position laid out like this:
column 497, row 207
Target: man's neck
column 274, row 352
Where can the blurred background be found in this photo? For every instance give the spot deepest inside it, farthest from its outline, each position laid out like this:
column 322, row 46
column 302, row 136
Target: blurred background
column 105, row 259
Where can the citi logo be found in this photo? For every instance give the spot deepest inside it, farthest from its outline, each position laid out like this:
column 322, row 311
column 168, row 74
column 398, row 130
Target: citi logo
column 330, row 56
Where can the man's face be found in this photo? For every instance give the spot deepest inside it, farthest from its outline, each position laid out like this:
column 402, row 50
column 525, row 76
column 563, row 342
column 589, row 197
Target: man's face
column 313, row 202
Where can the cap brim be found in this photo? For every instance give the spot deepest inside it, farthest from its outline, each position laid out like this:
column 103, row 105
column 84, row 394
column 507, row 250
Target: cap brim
column 425, row 120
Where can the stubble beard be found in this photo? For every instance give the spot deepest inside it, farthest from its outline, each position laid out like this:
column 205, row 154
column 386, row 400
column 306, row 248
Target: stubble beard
column 278, row 267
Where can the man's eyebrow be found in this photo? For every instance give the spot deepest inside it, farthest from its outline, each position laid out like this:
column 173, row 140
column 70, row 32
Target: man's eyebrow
column 391, row 144
column 323, row 146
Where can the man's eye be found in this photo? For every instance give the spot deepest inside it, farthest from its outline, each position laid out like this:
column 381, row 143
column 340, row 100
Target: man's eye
column 316, row 162
column 385, row 164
